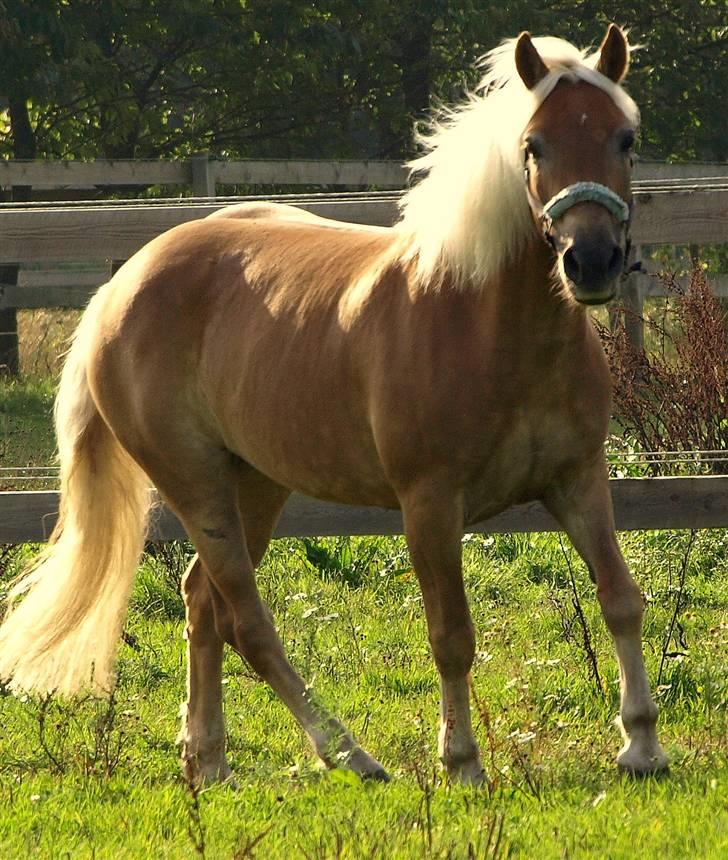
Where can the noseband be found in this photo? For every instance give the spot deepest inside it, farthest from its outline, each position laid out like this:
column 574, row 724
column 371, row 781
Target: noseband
column 580, row 192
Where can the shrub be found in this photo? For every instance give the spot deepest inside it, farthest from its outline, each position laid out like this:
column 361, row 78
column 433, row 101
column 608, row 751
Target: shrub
column 674, row 397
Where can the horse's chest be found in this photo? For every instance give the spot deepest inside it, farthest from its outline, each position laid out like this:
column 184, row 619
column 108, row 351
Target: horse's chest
column 532, row 448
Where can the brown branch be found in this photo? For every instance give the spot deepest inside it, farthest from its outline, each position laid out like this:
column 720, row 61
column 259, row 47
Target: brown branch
column 678, row 605
column 586, row 636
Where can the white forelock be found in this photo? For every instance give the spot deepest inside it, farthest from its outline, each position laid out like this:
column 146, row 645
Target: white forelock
column 469, row 213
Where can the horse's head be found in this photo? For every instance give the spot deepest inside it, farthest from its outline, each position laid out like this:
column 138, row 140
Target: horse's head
column 577, row 152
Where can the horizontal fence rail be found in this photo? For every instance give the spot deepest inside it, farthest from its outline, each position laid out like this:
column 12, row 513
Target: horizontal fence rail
column 651, row 286
column 639, row 503
column 684, row 204
column 114, row 231
column 203, row 172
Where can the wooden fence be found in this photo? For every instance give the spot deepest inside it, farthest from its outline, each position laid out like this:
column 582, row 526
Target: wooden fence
column 639, row 503
column 203, row 174
column 685, row 204
column 675, row 204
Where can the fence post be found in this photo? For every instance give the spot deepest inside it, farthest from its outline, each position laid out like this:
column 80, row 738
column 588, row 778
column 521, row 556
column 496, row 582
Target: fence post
column 203, row 179
column 9, row 356
column 114, row 266
column 632, row 305
column 9, row 350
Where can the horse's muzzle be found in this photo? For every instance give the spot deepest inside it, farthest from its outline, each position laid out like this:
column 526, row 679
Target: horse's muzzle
column 592, row 267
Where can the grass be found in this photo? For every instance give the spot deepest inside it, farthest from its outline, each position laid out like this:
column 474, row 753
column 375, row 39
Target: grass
column 90, row 778
column 26, row 435
column 43, row 339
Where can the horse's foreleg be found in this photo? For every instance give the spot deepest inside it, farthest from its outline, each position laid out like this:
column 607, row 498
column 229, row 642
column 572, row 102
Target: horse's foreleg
column 203, row 729
column 584, row 508
column 434, row 525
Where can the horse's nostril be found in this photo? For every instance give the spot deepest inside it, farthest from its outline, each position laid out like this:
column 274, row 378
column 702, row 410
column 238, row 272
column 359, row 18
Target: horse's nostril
column 572, row 267
column 591, row 264
column 615, row 263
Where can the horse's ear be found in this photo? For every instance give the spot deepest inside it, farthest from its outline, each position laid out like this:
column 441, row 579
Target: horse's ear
column 614, row 55
column 531, row 67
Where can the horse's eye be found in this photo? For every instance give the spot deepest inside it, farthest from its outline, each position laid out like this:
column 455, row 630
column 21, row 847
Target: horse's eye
column 533, row 148
column 627, row 142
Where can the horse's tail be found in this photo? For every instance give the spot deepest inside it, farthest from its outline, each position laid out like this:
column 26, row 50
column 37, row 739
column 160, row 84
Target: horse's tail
column 65, row 613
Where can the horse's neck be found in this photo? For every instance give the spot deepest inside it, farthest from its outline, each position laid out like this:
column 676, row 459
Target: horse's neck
column 526, row 297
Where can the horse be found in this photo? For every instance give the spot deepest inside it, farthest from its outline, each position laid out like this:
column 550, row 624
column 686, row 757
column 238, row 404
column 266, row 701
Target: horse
column 446, row 366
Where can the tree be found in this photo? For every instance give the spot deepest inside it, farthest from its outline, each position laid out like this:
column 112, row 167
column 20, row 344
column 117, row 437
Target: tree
column 335, row 78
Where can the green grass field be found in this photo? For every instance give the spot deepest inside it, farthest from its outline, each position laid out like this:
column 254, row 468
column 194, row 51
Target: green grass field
column 26, row 437
column 93, row 779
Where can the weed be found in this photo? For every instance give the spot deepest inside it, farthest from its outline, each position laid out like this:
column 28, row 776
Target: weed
column 674, row 399
column 350, row 560
column 586, row 639
column 43, row 338
column 83, row 734
column 246, row 848
column 56, row 762
column 158, row 583
column 674, row 623
column 9, row 556
column 195, row 824
column 174, row 558
column 494, row 847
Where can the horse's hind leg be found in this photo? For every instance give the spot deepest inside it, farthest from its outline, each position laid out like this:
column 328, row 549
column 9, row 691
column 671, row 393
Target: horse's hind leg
column 203, row 729
column 584, row 508
column 202, row 735
column 209, row 508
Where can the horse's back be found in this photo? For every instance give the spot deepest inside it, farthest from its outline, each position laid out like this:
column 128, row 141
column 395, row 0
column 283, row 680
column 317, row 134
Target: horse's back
column 230, row 328
column 291, row 261
column 285, row 211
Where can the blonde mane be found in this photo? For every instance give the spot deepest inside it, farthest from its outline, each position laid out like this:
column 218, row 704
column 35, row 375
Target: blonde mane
column 469, row 213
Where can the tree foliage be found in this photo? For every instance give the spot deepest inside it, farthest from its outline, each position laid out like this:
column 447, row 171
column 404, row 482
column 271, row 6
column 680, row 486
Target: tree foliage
column 336, row 78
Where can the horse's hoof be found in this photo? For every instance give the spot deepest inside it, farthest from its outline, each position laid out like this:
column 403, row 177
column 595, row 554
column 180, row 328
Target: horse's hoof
column 469, row 773
column 475, row 779
column 231, row 783
column 365, row 766
column 379, row 775
column 640, row 765
column 644, row 771
column 202, row 777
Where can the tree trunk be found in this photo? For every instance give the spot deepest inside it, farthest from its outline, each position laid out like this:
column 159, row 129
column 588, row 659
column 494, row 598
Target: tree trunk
column 415, row 60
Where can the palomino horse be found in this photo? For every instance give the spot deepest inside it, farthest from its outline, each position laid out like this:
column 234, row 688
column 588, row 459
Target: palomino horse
column 446, row 367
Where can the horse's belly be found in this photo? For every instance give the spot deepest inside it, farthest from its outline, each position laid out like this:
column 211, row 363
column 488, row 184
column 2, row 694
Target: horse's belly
column 328, row 454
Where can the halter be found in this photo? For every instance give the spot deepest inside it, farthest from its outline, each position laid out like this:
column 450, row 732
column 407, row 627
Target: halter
column 581, row 192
